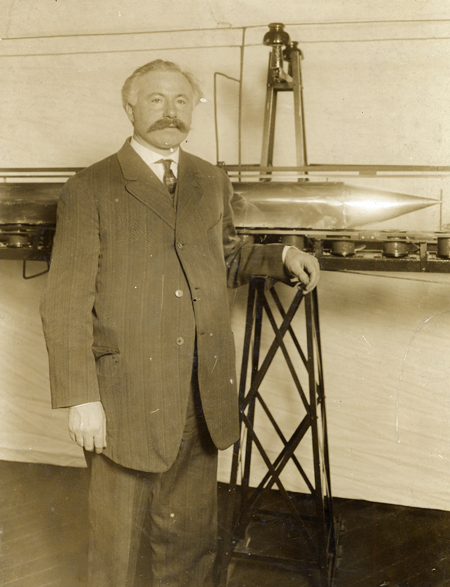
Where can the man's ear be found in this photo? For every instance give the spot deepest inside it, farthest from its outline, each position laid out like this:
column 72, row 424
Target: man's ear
column 129, row 111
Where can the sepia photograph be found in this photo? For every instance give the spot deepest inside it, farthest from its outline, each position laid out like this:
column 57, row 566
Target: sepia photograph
column 224, row 293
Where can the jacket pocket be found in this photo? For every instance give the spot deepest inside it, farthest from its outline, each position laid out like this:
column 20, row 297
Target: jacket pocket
column 101, row 351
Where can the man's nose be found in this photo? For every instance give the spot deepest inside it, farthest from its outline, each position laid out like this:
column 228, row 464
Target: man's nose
column 170, row 110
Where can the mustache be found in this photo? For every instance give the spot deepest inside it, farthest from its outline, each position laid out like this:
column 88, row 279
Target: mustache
column 167, row 122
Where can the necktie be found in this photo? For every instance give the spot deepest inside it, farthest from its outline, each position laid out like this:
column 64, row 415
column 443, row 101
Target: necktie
column 169, row 179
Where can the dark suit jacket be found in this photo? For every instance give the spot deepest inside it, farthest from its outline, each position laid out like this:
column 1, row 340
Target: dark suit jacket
column 134, row 288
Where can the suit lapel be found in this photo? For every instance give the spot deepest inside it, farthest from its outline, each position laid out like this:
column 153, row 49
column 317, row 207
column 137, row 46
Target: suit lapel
column 142, row 183
column 190, row 187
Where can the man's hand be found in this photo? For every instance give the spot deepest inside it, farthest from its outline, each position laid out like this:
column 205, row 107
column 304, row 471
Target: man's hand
column 303, row 266
column 87, row 426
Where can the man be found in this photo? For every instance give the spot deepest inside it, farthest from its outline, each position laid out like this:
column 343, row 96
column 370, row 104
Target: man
column 137, row 325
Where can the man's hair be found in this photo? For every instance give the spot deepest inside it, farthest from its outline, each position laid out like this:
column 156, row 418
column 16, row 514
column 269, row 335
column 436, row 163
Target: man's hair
column 129, row 87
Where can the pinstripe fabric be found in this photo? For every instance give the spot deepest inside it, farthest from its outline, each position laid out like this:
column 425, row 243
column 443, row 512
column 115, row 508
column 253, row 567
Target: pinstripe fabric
column 134, row 286
column 182, row 506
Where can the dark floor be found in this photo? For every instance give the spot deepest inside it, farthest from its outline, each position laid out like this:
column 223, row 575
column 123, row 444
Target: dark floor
column 43, row 538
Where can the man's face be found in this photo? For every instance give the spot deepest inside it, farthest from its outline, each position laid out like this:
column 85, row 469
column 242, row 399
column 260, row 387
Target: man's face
column 162, row 113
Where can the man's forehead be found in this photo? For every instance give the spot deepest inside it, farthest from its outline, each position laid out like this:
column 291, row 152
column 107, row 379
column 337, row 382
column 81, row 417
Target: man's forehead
column 155, row 82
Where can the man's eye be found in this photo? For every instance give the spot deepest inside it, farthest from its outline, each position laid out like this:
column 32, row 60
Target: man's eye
column 156, row 100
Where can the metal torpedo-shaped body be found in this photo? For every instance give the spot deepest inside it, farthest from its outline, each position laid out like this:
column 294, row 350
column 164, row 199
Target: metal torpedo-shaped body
column 319, row 205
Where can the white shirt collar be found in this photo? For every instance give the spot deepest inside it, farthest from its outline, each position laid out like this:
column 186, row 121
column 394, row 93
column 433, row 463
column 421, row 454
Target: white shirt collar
column 150, row 157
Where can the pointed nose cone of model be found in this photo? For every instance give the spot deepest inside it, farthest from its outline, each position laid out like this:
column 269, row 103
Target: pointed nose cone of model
column 318, row 205
column 366, row 206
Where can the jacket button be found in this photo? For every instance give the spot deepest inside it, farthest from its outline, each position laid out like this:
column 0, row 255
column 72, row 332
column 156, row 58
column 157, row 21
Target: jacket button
column 180, row 245
column 179, row 293
column 180, row 340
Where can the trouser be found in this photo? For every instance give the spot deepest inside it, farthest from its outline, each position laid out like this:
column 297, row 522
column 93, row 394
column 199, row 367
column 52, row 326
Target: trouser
column 180, row 506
